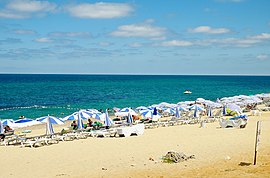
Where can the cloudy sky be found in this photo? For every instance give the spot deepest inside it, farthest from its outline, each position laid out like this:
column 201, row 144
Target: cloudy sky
column 135, row 36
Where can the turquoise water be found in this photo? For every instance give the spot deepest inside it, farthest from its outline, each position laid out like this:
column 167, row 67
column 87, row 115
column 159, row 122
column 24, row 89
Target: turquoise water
column 38, row 95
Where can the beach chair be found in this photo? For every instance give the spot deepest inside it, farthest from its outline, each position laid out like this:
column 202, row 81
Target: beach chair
column 240, row 123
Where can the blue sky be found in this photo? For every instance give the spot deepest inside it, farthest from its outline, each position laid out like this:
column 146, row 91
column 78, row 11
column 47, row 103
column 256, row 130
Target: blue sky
column 135, row 37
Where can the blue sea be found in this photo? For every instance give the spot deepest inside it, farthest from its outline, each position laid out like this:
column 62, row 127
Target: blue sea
column 36, row 95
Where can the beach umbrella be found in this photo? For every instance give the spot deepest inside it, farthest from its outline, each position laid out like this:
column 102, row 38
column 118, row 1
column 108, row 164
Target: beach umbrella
column 234, row 107
column 129, row 119
column 224, row 111
column 177, row 113
column 125, row 111
column 80, row 121
column 209, row 113
column 52, row 119
column 71, row 117
column 196, row 111
column 147, row 113
column 141, row 108
column 155, row 111
column 49, row 128
column 156, row 115
column 169, row 110
column 25, row 122
column 8, row 122
column 107, row 122
column 1, row 127
column 49, row 120
column 197, row 107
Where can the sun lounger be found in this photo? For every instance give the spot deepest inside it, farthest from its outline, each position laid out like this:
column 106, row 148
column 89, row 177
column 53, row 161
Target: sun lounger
column 240, row 123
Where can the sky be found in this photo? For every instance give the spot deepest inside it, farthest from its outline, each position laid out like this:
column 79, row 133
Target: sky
column 178, row 37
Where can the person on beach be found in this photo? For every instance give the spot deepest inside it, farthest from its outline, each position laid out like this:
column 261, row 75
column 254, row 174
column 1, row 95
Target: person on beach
column 90, row 123
column 8, row 130
column 2, row 137
column 74, row 125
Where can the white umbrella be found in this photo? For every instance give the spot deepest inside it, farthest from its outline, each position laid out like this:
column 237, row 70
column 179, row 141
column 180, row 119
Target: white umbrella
column 107, row 122
column 1, row 127
column 209, row 113
column 80, row 122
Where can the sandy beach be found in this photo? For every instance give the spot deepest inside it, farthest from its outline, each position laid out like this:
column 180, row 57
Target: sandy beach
column 218, row 153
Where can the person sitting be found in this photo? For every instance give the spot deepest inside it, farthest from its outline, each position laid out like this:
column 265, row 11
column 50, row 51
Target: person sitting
column 90, row 123
column 2, row 137
column 74, row 125
column 8, row 130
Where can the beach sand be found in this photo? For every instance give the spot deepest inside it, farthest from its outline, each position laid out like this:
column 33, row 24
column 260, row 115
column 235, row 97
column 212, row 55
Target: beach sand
column 218, row 153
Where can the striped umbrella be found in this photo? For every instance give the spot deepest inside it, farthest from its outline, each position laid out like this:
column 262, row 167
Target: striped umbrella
column 8, row 122
column 130, row 119
column 147, row 113
column 49, row 120
column 177, row 113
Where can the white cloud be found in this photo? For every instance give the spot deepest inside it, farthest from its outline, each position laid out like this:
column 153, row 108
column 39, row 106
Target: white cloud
column 24, row 32
column 104, row 44
column 12, row 15
column 31, row 6
column 21, row 9
column 135, row 45
column 70, row 34
column 146, row 30
column 43, row 40
column 262, row 57
column 209, row 30
column 177, row 43
column 263, row 36
column 223, row 42
column 100, row 10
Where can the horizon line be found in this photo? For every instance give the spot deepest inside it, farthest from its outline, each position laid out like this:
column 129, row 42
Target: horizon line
column 163, row 74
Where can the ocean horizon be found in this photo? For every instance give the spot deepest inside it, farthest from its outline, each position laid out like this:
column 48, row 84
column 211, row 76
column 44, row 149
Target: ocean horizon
column 36, row 95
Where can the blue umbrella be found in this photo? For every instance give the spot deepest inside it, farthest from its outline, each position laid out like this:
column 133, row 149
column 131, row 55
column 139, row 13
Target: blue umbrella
column 107, row 122
column 209, row 113
column 155, row 111
column 130, row 119
column 177, row 113
column 1, row 127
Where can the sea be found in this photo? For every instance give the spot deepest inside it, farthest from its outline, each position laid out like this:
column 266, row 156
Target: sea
column 36, row 95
